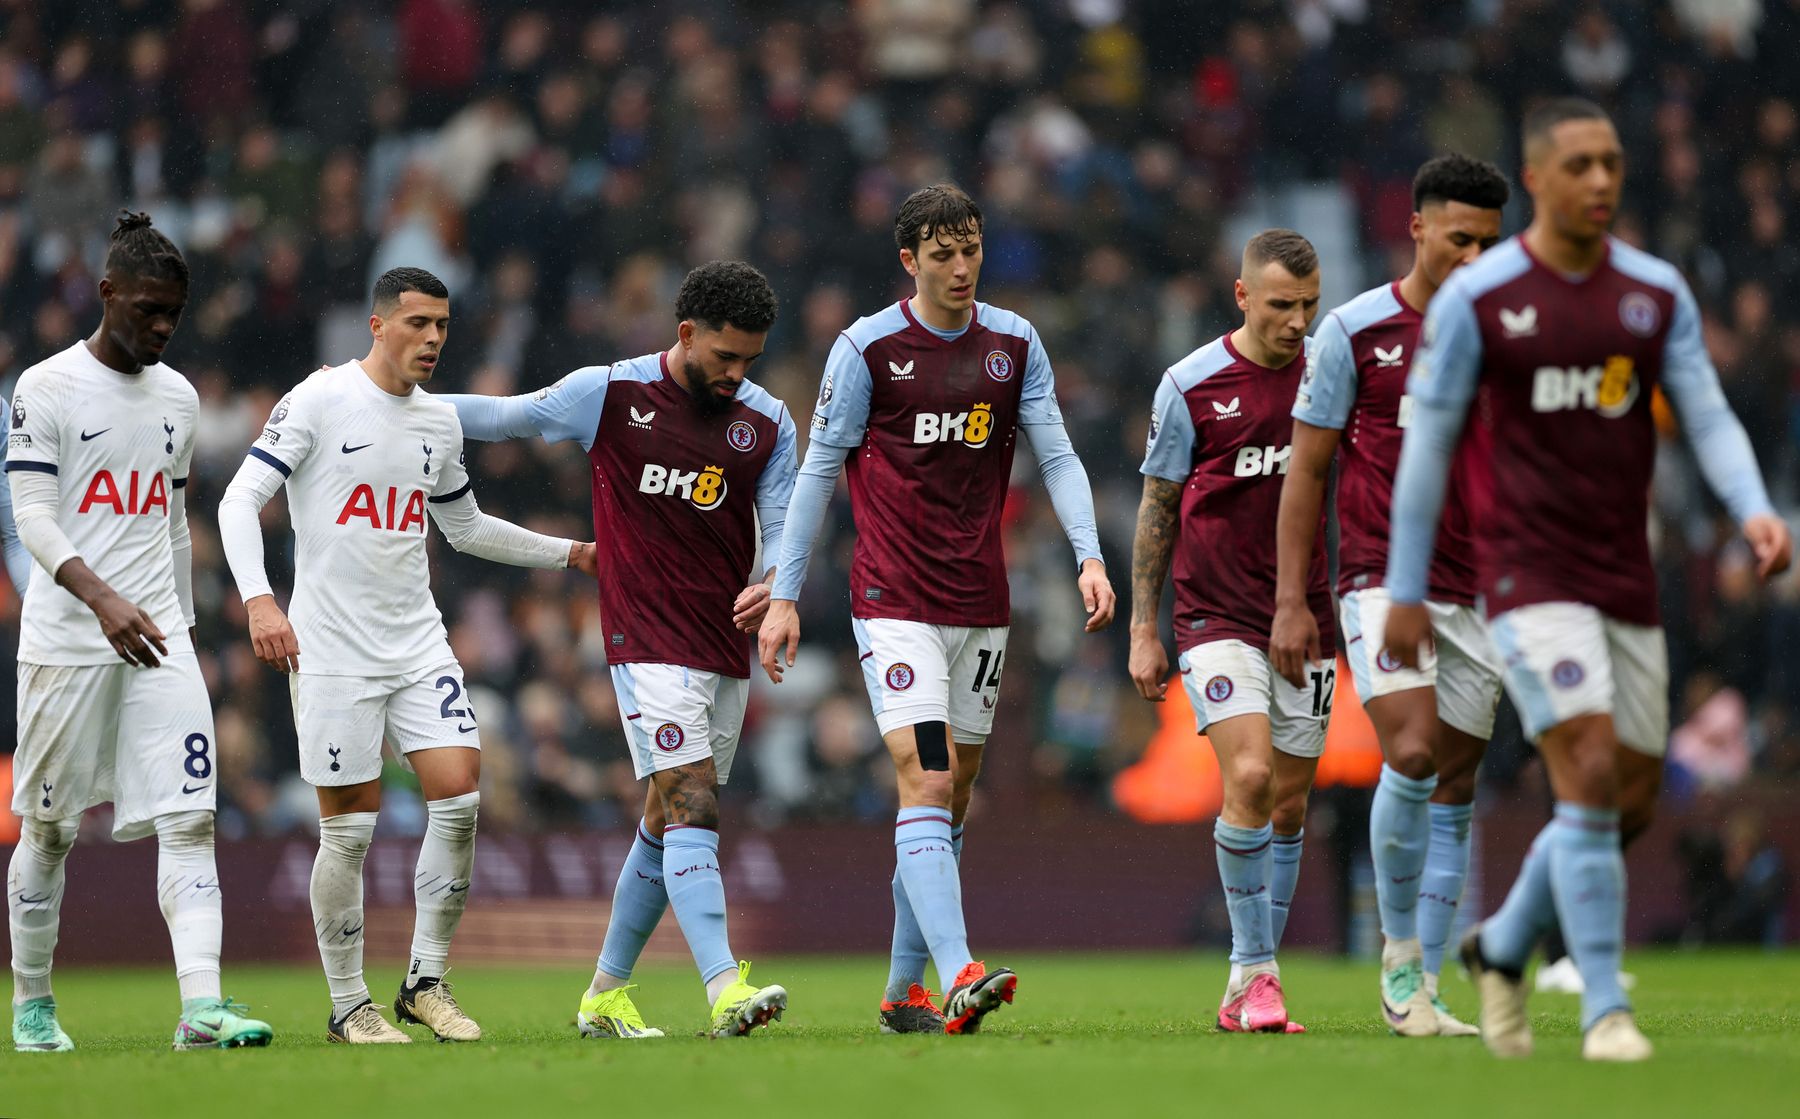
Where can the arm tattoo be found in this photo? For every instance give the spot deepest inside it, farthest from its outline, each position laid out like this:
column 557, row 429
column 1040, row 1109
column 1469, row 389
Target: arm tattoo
column 1151, row 548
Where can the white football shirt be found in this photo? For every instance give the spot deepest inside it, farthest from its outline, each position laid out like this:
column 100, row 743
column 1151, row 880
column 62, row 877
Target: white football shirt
column 363, row 469
column 119, row 445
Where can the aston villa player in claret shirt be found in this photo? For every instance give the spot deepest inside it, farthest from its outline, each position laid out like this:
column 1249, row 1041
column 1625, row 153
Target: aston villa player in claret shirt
column 1219, row 446
column 925, row 400
column 1542, row 358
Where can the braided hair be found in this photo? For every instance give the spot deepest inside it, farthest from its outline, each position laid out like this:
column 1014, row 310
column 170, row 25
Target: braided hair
column 138, row 250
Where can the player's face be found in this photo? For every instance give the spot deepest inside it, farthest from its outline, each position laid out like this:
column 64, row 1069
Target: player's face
column 717, row 362
column 412, row 335
column 1278, row 307
column 1577, row 176
column 1450, row 235
column 141, row 314
column 946, row 268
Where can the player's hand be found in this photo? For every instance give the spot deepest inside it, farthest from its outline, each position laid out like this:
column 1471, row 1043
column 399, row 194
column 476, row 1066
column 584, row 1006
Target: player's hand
column 752, row 603
column 1097, row 595
column 584, row 557
column 1149, row 664
column 131, row 631
column 272, row 635
column 1294, row 643
column 780, row 630
column 1408, row 632
column 1773, row 546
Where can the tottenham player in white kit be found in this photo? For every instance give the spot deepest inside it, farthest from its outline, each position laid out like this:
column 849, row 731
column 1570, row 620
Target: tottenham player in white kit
column 366, row 455
column 102, row 434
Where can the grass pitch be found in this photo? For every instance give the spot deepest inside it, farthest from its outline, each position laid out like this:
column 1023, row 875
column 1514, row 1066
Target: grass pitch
column 1091, row 1035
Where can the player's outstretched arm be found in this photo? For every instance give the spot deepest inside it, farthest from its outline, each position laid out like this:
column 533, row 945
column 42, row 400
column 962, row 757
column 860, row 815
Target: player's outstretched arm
column 1151, row 548
column 1294, row 634
column 475, row 533
column 569, row 409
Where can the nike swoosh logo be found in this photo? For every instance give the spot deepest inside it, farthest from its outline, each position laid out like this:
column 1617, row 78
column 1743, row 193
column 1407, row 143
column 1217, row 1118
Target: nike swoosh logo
column 193, row 789
column 349, row 450
column 460, row 729
column 23, row 900
column 1392, row 1015
column 457, row 889
column 353, row 932
column 85, row 436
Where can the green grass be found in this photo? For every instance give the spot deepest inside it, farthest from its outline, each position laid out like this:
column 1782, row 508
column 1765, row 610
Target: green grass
column 1091, row 1035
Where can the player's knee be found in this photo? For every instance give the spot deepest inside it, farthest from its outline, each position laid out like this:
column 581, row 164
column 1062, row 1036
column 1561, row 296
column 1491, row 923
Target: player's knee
column 690, row 796
column 185, row 831
column 1289, row 814
column 1593, row 775
column 935, row 787
column 1455, row 787
column 453, row 818
column 347, row 836
column 1411, row 757
column 49, row 838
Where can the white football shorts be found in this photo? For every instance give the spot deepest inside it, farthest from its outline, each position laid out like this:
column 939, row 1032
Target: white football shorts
column 1565, row 659
column 342, row 720
column 1228, row 678
column 918, row 672
column 676, row 716
column 141, row 738
column 1464, row 666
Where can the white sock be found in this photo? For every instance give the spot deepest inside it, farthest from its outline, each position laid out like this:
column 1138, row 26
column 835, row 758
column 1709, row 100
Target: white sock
column 187, row 888
column 337, row 905
column 34, row 893
column 441, row 883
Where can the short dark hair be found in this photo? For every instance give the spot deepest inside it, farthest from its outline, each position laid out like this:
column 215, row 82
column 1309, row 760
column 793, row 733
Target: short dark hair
column 727, row 292
column 1460, row 178
column 396, row 282
column 137, row 250
column 1543, row 118
column 1285, row 247
column 943, row 208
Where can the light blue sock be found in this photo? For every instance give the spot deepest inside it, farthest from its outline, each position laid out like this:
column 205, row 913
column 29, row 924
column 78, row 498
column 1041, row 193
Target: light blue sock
column 1284, row 874
column 907, row 965
column 639, row 900
column 697, row 894
column 1244, row 869
column 1587, row 874
column 1510, row 935
column 933, row 888
column 1440, row 891
column 1399, row 833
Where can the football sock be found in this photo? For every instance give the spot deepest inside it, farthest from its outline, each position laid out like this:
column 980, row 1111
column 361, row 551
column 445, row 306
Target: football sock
column 907, row 964
column 441, row 882
column 34, row 893
column 697, row 895
column 639, row 901
column 1587, row 875
column 933, row 885
column 187, row 889
column 1244, row 870
column 337, row 905
column 1508, row 937
column 1399, row 833
column 1284, row 875
column 1440, row 890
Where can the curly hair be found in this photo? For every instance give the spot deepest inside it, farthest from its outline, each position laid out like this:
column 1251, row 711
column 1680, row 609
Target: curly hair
column 396, row 282
column 727, row 292
column 943, row 208
column 1460, row 178
column 138, row 250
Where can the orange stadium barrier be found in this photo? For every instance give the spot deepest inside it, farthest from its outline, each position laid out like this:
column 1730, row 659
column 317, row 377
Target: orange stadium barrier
column 1177, row 779
column 9, row 824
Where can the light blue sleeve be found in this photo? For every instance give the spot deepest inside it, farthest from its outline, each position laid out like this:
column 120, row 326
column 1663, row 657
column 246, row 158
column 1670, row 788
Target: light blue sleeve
column 1066, row 480
column 775, row 488
column 1442, row 383
column 1037, row 397
column 806, row 514
column 1720, row 444
column 841, row 417
column 569, row 409
column 1329, row 387
column 1170, row 454
column 18, row 559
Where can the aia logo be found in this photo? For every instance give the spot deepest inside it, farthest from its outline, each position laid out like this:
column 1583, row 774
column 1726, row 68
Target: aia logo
column 1227, row 409
column 1390, row 359
column 390, row 515
column 1219, row 689
column 1387, row 661
column 705, row 488
column 741, row 436
column 998, row 366
column 971, row 428
column 139, row 498
column 669, row 738
column 900, row 676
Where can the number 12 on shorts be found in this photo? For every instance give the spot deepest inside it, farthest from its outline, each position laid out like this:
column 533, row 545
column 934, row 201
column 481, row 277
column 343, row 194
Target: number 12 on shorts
column 984, row 679
column 1324, row 684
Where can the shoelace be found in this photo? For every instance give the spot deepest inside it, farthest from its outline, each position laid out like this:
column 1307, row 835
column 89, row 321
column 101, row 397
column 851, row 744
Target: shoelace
column 37, row 1018
column 628, row 1013
column 359, row 1019
column 229, row 1005
column 922, row 1000
column 1406, row 981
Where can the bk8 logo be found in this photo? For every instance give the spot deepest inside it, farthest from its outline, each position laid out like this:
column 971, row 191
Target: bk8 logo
column 970, row 428
column 705, row 488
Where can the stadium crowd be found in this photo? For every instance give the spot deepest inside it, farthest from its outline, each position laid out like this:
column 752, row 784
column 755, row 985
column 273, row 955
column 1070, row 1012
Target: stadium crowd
column 562, row 165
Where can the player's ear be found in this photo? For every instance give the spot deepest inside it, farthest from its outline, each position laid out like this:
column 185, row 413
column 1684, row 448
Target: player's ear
column 909, row 262
column 107, row 289
column 685, row 331
column 1416, row 226
column 1242, row 294
column 375, row 325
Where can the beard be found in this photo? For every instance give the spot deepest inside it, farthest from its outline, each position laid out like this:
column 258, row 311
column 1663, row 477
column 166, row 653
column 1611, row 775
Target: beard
column 702, row 391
